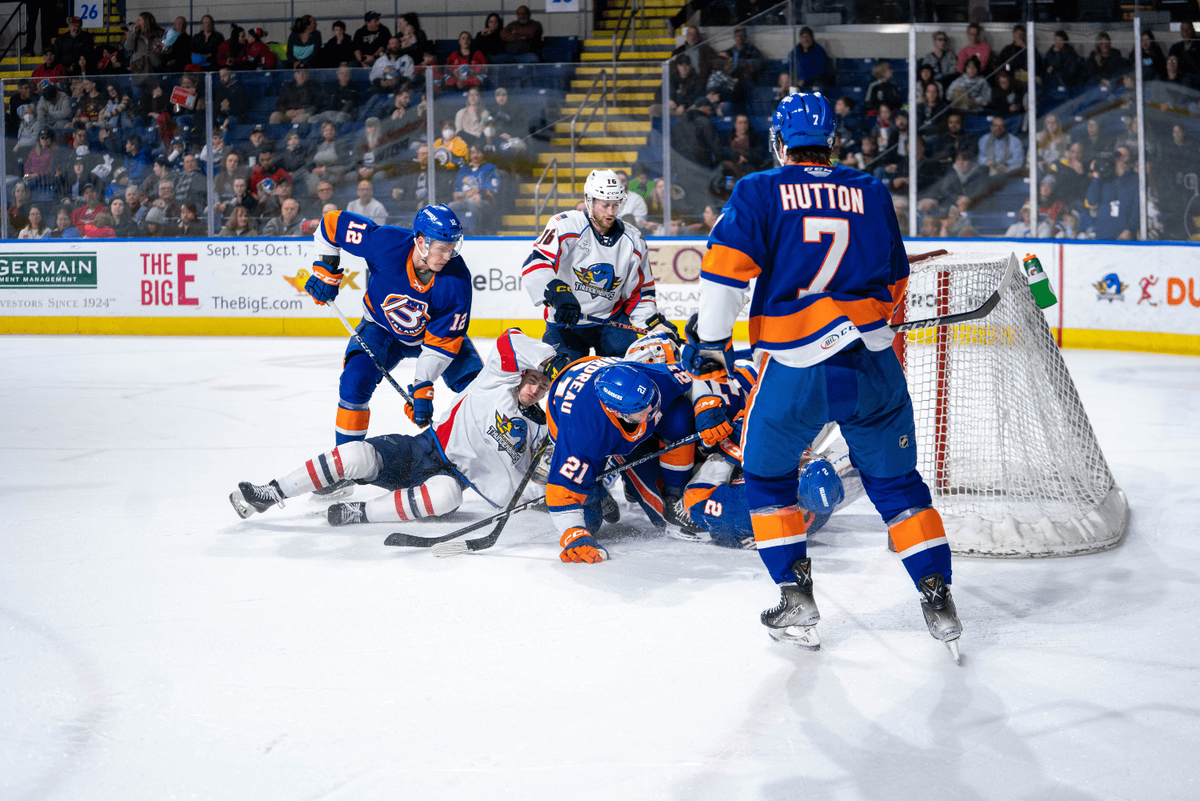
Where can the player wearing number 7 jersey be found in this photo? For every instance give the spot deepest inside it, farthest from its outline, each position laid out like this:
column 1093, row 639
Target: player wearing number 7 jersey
column 417, row 306
column 825, row 247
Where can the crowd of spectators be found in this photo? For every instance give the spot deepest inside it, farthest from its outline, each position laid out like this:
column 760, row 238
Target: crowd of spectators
column 109, row 140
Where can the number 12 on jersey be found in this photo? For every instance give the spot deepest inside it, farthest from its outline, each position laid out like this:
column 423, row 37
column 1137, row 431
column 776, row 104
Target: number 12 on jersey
column 815, row 228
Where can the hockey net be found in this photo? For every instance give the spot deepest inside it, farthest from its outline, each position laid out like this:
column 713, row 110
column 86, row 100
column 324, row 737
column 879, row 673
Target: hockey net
column 1003, row 441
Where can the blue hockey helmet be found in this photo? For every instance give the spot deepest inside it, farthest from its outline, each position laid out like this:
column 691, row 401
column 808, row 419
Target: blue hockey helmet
column 802, row 120
column 627, row 392
column 440, row 224
column 820, row 487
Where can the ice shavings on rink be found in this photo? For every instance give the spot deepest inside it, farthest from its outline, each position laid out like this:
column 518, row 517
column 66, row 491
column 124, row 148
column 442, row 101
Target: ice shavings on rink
column 153, row 645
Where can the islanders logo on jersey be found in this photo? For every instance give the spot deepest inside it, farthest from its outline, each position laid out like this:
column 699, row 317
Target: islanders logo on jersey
column 510, row 434
column 598, row 280
column 1110, row 288
column 407, row 316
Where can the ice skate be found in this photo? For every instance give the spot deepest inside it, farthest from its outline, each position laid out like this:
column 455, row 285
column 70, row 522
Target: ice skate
column 795, row 619
column 680, row 523
column 346, row 514
column 940, row 614
column 338, row 489
column 250, row 498
column 610, row 510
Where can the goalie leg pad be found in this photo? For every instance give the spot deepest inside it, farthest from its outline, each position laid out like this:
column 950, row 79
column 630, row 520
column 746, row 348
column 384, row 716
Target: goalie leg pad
column 352, row 460
column 438, row 496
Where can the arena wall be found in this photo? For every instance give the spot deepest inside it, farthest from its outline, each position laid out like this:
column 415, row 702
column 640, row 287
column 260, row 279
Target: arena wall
column 1119, row 296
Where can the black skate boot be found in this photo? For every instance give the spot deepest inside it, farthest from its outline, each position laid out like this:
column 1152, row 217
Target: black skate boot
column 676, row 514
column 250, row 498
column 609, row 508
column 940, row 615
column 342, row 488
column 795, row 619
column 346, row 514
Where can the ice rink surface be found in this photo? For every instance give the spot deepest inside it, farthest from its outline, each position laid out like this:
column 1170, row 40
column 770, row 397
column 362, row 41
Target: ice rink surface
column 154, row 646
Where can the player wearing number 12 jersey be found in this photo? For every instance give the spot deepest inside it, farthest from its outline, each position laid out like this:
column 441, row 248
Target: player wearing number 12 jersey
column 824, row 245
column 417, row 305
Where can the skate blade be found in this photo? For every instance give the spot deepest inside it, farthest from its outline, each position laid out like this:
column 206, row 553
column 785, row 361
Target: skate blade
column 800, row 636
column 240, row 506
column 449, row 548
column 676, row 532
column 337, row 494
column 952, row 647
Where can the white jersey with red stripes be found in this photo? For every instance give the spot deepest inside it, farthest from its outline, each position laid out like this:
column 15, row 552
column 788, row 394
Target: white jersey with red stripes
column 608, row 274
column 484, row 434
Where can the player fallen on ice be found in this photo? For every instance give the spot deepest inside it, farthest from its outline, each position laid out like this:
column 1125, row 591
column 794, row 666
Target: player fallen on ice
column 824, row 245
column 484, row 442
column 591, row 270
column 417, row 306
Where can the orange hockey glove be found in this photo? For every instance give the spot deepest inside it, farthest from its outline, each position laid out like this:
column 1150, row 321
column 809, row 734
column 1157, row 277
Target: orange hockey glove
column 324, row 282
column 420, row 411
column 711, row 421
column 579, row 545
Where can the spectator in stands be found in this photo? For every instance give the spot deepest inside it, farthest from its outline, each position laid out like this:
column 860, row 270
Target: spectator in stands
column 1024, row 228
column 54, row 107
column 177, row 47
column 412, row 39
column 118, row 105
column 323, row 196
column 191, row 185
column 382, row 93
column 702, row 56
column 205, row 43
column 512, row 124
column 24, row 96
column 18, row 210
column 74, row 47
column 970, row 92
column 1063, row 65
column 189, row 224
column 957, row 223
column 230, row 97
column 1014, row 56
column 371, row 39
column 883, row 89
column 88, row 102
column 635, row 209
column 339, row 50
column 1000, row 151
column 695, row 136
column 522, row 40
column 123, row 222
column 27, row 133
column 1187, row 50
column 925, row 76
column 404, row 124
column 239, row 195
column 1094, row 140
column 340, row 102
column 466, row 64
column 49, row 69
column 930, row 111
column 133, row 202
column 1182, row 93
column 35, row 227
column 258, row 143
column 257, row 54
column 411, row 192
column 231, row 170
column 304, row 43
column 727, row 92
column 298, row 100
column 99, row 228
column 288, row 221
column 686, row 84
column 41, row 168
column 330, row 161
column 813, row 68
column 143, row 43
column 293, row 158
column 1071, row 176
column 393, row 58
column 1154, row 64
column 1050, row 204
column 864, row 159
column 160, row 171
column 450, row 150
column 367, row 205
column 747, row 59
column 941, row 60
column 239, row 224
column 232, row 52
column 785, row 85
column 154, row 226
column 62, row 226
column 976, row 48
column 469, row 120
column 883, row 125
column 1052, row 140
column 165, row 200
column 271, row 196
column 371, row 149
column 1112, row 197
column 1180, row 158
column 1105, row 65
column 475, row 190
column 1008, row 97
column 965, row 178
column 744, row 149
column 488, row 41
column 266, row 169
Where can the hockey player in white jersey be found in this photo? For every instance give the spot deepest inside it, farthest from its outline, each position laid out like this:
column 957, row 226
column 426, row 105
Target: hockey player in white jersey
column 592, row 273
column 485, row 443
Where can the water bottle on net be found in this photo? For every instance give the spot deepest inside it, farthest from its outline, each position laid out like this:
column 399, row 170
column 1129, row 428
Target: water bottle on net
column 1039, row 282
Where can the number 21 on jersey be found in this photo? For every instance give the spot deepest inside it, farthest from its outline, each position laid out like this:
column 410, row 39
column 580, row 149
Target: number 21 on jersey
column 815, row 229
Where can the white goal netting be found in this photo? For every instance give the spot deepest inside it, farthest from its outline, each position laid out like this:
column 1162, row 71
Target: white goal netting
column 1003, row 440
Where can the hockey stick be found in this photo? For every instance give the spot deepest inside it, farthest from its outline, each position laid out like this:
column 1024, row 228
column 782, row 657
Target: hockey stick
column 367, row 350
column 411, row 541
column 615, row 324
column 974, row 314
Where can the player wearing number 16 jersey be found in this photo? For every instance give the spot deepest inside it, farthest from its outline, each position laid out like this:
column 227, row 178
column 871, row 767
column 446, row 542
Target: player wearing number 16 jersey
column 825, row 248
column 418, row 305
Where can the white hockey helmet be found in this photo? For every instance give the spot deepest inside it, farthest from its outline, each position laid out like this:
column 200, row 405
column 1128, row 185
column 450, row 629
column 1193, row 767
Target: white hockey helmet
column 653, row 349
column 604, row 185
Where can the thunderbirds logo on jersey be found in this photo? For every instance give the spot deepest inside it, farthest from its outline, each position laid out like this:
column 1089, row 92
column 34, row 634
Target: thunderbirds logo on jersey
column 55, row 270
column 598, row 280
column 1110, row 288
column 510, row 434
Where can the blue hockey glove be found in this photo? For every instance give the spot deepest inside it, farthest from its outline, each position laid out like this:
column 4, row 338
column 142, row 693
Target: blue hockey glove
column 560, row 298
column 705, row 360
column 420, row 411
column 711, row 421
column 579, row 545
column 324, row 282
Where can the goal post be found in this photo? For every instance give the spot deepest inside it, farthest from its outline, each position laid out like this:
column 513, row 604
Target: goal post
column 1003, row 440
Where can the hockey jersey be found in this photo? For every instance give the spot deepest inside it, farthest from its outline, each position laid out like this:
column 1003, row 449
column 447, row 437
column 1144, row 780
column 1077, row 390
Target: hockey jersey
column 434, row 315
column 608, row 274
column 585, row 433
column 485, row 434
column 825, row 247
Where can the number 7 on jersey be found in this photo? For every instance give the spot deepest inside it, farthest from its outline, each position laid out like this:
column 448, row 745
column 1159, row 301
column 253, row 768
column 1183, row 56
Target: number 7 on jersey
column 814, row 229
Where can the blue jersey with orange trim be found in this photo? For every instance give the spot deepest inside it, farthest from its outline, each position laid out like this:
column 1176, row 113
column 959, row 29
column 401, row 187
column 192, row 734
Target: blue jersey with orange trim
column 826, row 249
column 585, row 433
column 433, row 315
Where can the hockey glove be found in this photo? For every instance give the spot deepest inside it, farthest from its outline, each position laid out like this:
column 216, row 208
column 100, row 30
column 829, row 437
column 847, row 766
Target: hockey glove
column 705, row 360
column 324, row 282
column 711, row 421
column 560, row 298
column 659, row 324
column 579, row 545
column 420, row 411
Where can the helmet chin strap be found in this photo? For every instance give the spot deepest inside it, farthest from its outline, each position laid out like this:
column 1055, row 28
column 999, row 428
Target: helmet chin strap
column 423, row 254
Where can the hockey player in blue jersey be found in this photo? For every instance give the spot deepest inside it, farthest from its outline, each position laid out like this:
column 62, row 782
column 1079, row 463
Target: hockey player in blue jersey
column 825, row 248
column 602, row 407
column 417, row 306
